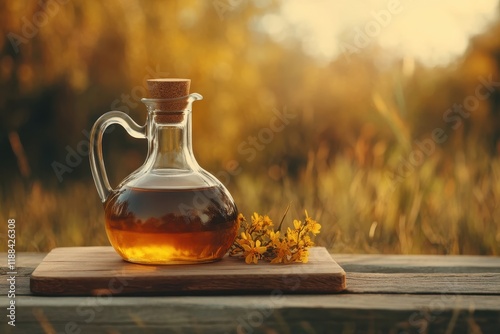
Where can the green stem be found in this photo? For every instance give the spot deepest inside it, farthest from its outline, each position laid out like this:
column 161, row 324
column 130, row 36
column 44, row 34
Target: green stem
column 284, row 215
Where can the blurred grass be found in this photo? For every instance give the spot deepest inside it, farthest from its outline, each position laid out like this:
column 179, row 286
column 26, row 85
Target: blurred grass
column 360, row 211
column 51, row 217
column 358, row 207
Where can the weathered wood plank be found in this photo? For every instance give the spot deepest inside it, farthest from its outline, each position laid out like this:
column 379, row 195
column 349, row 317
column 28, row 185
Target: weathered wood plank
column 258, row 314
column 478, row 284
column 357, row 311
column 25, row 262
column 381, row 283
column 359, row 282
column 373, row 263
column 94, row 270
column 358, row 263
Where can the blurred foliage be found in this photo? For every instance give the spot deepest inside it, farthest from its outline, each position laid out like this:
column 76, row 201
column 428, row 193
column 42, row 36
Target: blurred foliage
column 355, row 124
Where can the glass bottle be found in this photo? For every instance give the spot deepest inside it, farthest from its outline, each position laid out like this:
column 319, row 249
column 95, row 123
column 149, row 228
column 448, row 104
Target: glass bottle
column 170, row 210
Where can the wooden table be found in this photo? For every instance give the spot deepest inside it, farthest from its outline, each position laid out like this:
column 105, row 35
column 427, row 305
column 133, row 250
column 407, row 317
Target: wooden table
column 386, row 294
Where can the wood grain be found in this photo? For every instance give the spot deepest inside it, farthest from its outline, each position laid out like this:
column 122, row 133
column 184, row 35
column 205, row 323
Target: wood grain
column 364, row 283
column 386, row 294
column 383, row 263
column 422, row 274
column 100, row 271
column 449, row 283
column 344, row 313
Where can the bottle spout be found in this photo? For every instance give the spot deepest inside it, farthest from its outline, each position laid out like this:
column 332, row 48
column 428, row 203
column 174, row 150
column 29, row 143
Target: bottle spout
column 195, row 97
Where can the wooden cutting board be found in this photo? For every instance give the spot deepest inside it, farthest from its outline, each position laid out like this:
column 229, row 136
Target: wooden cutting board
column 101, row 271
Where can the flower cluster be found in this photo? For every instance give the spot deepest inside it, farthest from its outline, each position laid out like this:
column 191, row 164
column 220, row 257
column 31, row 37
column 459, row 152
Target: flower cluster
column 259, row 241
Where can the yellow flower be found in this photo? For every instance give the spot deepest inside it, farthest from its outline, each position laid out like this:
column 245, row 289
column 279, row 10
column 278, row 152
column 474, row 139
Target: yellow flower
column 282, row 252
column 306, row 241
column 259, row 222
column 292, row 236
column 297, row 224
column 312, row 226
column 258, row 240
column 302, row 255
column 253, row 251
column 273, row 236
column 267, row 222
column 245, row 238
column 315, row 228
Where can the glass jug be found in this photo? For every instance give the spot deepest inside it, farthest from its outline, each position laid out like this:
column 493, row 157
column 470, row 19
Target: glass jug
column 170, row 210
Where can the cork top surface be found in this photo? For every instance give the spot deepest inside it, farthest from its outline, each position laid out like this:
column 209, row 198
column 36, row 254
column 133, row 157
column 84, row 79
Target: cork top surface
column 168, row 88
column 169, row 111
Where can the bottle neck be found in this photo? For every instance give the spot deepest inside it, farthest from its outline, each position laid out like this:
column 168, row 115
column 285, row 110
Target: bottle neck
column 170, row 145
column 169, row 134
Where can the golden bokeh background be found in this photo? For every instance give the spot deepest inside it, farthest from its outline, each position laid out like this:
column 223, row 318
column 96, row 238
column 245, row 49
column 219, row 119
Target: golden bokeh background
column 356, row 150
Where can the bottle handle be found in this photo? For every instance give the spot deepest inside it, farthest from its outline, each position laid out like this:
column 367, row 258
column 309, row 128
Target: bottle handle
column 96, row 158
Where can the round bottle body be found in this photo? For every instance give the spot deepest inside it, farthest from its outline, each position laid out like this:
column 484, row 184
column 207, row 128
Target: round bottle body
column 171, row 226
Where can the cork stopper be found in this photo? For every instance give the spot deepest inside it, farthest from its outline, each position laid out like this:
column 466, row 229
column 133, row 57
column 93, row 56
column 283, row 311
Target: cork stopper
column 175, row 89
